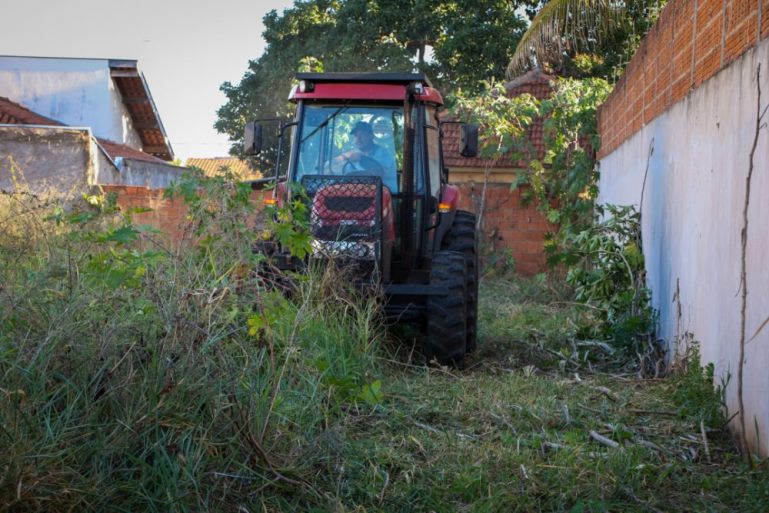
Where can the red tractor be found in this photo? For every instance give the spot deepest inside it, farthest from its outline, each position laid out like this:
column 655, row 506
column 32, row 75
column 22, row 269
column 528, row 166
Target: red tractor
column 366, row 149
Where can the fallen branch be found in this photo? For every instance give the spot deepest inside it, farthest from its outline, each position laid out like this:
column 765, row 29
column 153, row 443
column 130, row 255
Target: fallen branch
column 608, row 442
column 427, row 427
column 608, row 393
column 705, row 440
column 652, row 412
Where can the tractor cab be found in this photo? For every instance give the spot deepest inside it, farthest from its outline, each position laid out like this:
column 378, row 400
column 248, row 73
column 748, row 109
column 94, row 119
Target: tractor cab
column 366, row 151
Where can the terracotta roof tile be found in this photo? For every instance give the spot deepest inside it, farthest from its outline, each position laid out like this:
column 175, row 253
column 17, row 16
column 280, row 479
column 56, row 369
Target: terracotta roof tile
column 11, row 113
column 535, row 83
column 213, row 167
column 115, row 150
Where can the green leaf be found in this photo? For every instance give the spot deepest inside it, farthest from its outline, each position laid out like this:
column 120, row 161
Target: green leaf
column 372, row 393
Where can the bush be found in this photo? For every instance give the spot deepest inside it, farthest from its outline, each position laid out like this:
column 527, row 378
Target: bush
column 606, row 269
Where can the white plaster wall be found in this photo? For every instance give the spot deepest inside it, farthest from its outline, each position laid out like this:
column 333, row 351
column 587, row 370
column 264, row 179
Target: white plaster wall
column 77, row 92
column 692, row 219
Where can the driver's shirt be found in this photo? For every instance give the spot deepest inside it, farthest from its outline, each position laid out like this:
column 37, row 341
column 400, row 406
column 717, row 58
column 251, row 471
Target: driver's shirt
column 386, row 160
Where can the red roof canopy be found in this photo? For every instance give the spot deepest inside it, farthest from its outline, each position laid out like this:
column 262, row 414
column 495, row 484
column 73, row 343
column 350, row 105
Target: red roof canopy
column 363, row 86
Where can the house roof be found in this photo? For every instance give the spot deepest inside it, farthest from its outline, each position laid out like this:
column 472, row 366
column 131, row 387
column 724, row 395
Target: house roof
column 138, row 101
column 115, row 150
column 535, row 83
column 213, row 166
column 11, row 113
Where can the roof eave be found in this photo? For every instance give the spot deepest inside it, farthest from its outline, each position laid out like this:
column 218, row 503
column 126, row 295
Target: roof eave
column 138, row 101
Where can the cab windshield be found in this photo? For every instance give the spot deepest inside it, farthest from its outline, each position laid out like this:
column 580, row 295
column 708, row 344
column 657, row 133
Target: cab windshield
column 351, row 140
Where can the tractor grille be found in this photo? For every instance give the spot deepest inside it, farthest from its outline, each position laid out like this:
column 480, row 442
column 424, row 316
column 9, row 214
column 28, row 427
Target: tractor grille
column 345, row 216
column 347, row 204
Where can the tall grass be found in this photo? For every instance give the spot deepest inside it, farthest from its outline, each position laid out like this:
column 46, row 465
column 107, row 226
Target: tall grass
column 135, row 376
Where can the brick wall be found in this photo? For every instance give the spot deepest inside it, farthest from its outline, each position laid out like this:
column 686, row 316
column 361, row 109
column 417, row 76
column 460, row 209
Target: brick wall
column 691, row 42
column 510, row 227
column 167, row 215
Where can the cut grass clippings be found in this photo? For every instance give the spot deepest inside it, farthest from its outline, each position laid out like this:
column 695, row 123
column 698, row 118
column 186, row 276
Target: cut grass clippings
column 521, row 430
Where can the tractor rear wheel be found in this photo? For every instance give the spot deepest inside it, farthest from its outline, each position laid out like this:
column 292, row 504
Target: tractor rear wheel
column 447, row 315
column 462, row 239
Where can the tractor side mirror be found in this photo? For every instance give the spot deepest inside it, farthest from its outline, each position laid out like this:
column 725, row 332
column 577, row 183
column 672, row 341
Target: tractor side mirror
column 252, row 138
column 469, row 141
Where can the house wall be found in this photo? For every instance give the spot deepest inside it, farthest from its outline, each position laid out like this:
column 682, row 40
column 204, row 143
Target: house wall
column 77, row 92
column 689, row 95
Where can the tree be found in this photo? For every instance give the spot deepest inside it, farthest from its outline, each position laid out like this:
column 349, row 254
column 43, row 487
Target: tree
column 470, row 41
column 585, row 37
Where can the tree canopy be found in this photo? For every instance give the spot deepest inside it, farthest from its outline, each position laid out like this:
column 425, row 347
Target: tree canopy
column 584, row 37
column 471, row 40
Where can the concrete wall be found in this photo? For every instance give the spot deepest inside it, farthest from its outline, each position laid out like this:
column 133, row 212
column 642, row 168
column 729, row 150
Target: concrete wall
column 68, row 160
column 77, row 92
column 62, row 161
column 692, row 220
column 148, row 174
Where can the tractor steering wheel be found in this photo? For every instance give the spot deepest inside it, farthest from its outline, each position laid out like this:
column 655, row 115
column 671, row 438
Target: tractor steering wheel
column 370, row 167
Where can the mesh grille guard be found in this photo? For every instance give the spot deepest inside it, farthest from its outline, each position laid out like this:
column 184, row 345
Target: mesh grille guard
column 345, row 216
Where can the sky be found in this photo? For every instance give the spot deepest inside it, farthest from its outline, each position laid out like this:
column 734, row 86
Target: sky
column 185, row 48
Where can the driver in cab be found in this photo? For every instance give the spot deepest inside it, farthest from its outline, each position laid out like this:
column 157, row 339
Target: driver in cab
column 368, row 158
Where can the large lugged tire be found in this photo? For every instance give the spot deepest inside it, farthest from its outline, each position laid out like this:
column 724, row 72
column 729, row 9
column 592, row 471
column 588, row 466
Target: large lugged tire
column 462, row 239
column 447, row 315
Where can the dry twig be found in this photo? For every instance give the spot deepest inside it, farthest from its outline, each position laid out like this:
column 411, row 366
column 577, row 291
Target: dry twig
column 608, row 442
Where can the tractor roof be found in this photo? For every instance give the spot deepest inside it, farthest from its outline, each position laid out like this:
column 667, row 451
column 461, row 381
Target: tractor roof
column 365, row 78
column 362, row 86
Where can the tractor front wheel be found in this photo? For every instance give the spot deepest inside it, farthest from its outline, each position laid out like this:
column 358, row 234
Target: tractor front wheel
column 447, row 314
column 462, row 239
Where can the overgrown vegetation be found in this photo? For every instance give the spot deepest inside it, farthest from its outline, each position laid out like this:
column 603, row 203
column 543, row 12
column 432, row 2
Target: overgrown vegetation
column 598, row 246
column 606, row 268
column 137, row 377
column 141, row 378
column 562, row 180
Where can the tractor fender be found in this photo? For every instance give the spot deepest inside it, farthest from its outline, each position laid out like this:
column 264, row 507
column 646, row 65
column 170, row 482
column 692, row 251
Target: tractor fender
column 449, row 201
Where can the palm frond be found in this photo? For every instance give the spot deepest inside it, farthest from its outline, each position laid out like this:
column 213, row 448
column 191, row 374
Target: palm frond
column 565, row 23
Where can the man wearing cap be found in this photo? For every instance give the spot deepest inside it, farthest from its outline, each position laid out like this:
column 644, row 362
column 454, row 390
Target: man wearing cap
column 369, row 158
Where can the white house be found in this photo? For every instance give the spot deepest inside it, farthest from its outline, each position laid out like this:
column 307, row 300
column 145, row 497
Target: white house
column 109, row 96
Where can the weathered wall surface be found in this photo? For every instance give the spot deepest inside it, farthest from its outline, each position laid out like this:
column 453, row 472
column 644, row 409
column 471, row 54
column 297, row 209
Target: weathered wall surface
column 68, row 160
column 701, row 132
column 77, row 92
column 148, row 174
column 46, row 160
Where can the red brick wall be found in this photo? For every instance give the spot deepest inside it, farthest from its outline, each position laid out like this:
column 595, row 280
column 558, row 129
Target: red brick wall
column 690, row 43
column 508, row 225
column 167, row 215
